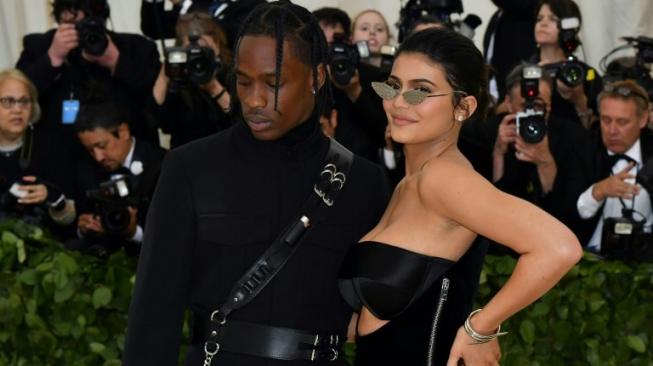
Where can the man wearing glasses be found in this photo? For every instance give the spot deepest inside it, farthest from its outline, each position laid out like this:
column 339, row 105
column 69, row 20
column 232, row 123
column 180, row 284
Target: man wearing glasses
column 623, row 149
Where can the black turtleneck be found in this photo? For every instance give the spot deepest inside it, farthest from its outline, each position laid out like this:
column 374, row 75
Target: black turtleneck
column 219, row 203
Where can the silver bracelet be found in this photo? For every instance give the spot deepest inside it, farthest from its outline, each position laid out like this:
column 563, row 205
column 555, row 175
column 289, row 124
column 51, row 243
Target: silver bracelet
column 477, row 337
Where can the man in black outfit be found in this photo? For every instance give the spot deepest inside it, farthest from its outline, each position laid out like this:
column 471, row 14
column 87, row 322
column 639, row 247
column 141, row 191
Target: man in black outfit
column 67, row 74
column 115, row 156
column 550, row 173
column 222, row 200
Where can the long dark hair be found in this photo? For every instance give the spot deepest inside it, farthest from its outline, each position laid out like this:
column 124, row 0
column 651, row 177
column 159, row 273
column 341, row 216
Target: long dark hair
column 462, row 62
column 283, row 20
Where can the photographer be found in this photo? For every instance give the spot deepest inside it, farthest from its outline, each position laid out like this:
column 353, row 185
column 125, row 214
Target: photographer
column 191, row 99
column 81, row 62
column 538, row 156
column 34, row 178
column 356, row 119
column 624, row 149
column 116, row 185
column 577, row 84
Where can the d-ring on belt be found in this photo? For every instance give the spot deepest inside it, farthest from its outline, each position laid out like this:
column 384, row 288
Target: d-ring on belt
column 291, row 343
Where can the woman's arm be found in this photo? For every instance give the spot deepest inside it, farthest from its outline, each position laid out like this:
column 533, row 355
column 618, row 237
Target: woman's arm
column 547, row 248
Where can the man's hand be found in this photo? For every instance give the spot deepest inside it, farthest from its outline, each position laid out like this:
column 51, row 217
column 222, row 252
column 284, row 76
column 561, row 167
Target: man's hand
column 89, row 222
column 35, row 193
column 108, row 59
column 65, row 40
column 506, row 134
column 538, row 153
column 616, row 185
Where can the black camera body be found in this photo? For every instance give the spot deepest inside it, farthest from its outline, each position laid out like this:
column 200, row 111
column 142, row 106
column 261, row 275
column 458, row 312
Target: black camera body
column 345, row 57
column 111, row 199
column 570, row 71
column 624, row 238
column 194, row 63
column 92, row 35
column 531, row 124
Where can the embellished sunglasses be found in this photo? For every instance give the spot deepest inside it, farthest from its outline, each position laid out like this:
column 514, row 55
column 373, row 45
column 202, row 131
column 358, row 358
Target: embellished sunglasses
column 412, row 97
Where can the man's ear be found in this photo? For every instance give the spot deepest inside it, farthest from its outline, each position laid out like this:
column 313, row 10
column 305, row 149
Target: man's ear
column 321, row 76
column 123, row 131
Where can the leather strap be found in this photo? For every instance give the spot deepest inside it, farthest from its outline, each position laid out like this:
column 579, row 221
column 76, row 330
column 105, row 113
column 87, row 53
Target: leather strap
column 328, row 185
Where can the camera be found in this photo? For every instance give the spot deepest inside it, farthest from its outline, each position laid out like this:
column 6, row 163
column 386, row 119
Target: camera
column 570, row 71
column 92, row 35
column 635, row 68
column 530, row 123
column 112, row 198
column 441, row 10
column 345, row 57
column 194, row 63
column 387, row 58
column 626, row 238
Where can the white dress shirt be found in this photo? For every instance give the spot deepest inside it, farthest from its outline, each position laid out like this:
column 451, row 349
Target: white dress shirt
column 588, row 206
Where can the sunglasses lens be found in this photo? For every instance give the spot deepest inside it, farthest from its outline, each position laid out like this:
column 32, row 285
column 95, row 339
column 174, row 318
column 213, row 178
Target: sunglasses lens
column 414, row 97
column 384, row 90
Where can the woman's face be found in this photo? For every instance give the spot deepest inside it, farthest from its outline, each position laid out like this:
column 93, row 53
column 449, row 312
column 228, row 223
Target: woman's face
column 15, row 108
column 428, row 120
column 546, row 27
column 371, row 27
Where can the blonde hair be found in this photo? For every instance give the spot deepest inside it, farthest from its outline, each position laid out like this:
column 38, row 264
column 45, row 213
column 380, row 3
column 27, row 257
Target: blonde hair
column 15, row 74
column 627, row 90
column 203, row 24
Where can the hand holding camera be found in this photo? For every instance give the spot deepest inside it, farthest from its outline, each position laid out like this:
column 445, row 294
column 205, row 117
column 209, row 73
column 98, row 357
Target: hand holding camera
column 65, row 40
column 506, row 134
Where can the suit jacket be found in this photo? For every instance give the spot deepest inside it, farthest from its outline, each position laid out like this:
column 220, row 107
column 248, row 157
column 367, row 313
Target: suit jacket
column 130, row 85
column 90, row 175
column 602, row 169
column 220, row 202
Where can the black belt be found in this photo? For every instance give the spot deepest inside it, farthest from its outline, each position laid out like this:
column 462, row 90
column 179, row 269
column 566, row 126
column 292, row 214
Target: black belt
column 266, row 341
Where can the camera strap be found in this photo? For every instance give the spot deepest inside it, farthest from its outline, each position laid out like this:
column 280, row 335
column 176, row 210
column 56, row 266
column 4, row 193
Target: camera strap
column 326, row 188
column 627, row 212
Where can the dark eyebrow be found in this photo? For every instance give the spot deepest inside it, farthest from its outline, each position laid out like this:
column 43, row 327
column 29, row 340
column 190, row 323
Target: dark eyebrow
column 413, row 81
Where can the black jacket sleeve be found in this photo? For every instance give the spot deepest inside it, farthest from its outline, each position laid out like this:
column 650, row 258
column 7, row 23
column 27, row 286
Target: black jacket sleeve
column 157, row 310
column 35, row 62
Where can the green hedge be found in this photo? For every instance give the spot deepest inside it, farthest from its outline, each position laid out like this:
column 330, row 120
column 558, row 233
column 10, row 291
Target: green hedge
column 601, row 313
column 62, row 308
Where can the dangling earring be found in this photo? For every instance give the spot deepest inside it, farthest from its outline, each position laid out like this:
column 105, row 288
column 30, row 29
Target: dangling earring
column 313, row 91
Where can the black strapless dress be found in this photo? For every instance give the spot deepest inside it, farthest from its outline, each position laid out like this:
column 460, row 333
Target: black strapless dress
column 424, row 298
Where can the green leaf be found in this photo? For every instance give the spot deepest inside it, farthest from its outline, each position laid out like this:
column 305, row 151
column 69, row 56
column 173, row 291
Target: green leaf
column 44, row 267
column 527, row 331
column 9, row 238
column 102, row 297
column 29, row 277
column 65, row 293
column 97, row 347
column 636, row 343
column 67, row 263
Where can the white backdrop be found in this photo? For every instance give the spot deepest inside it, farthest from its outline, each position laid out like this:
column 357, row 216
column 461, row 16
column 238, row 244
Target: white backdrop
column 603, row 20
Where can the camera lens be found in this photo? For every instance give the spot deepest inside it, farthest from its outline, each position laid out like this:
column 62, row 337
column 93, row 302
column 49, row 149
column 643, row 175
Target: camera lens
column 572, row 73
column 115, row 220
column 531, row 127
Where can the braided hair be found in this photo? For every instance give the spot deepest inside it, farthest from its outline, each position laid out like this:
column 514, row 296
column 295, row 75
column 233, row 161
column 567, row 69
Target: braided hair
column 285, row 21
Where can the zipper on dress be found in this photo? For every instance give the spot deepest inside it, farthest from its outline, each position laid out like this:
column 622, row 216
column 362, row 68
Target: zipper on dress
column 436, row 319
